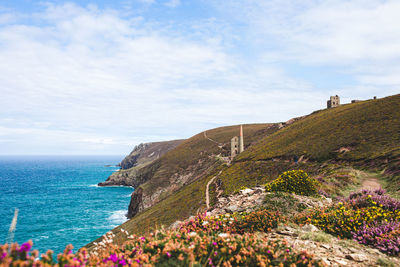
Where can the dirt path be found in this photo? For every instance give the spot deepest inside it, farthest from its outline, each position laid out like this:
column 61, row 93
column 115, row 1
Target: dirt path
column 205, row 136
column 371, row 184
column 207, row 190
column 369, row 181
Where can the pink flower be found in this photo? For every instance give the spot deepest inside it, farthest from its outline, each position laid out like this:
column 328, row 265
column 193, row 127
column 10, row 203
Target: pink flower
column 25, row 247
column 113, row 258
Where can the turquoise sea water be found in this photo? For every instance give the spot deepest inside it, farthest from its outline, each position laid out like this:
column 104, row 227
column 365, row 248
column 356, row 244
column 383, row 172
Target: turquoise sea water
column 58, row 200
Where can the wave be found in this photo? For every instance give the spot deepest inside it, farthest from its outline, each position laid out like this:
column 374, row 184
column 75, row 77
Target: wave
column 117, row 217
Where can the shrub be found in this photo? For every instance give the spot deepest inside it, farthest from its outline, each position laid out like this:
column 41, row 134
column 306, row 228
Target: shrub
column 283, row 202
column 384, row 237
column 261, row 220
column 223, row 223
column 367, row 198
column 369, row 217
column 175, row 248
column 295, row 181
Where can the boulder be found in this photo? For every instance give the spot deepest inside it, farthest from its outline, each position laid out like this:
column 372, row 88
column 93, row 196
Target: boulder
column 309, row 228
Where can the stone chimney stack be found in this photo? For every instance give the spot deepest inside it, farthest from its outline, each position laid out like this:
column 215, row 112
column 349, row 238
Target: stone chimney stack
column 241, row 142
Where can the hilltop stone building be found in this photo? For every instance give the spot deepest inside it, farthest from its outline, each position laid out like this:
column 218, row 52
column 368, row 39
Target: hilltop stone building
column 333, row 102
column 234, row 146
column 237, row 144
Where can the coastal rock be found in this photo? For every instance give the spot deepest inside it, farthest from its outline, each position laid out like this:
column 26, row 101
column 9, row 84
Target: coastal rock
column 135, row 203
column 144, row 153
column 131, row 173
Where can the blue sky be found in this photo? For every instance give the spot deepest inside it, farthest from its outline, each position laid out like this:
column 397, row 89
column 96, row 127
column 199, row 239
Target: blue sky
column 98, row 77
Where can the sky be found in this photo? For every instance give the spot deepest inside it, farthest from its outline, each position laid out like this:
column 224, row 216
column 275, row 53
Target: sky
column 99, row 77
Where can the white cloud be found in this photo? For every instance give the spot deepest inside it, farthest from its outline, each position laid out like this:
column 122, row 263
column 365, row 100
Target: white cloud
column 89, row 80
column 86, row 71
column 173, row 3
column 344, row 33
column 147, row 1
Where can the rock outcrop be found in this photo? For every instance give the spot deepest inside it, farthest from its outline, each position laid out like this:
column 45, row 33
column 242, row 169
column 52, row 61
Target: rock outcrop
column 141, row 156
column 136, row 201
column 144, row 153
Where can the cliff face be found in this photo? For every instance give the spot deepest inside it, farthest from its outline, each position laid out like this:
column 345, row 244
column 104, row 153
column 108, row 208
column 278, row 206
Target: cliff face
column 141, row 156
column 147, row 152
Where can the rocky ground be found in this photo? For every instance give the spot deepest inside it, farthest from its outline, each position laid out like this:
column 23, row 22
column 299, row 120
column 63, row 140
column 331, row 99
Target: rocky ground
column 329, row 249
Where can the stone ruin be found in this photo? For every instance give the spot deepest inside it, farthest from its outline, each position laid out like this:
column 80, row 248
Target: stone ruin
column 237, row 144
column 333, row 102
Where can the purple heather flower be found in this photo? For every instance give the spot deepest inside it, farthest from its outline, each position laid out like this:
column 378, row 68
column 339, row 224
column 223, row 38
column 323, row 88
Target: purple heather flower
column 214, row 243
column 168, row 254
column 3, row 255
column 269, row 251
column 122, row 262
column 25, row 247
column 137, row 260
column 113, row 257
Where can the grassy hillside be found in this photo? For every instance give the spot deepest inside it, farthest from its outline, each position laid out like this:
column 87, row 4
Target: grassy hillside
column 368, row 129
column 194, row 158
column 366, row 133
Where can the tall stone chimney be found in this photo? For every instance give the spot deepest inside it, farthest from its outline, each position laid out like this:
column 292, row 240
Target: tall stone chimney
column 241, row 142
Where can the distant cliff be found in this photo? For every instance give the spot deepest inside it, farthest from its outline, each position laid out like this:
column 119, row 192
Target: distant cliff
column 141, row 156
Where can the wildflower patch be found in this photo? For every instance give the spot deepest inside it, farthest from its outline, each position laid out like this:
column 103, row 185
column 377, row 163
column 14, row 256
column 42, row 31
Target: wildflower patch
column 369, row 217
column 174, row 248
column 295, row 181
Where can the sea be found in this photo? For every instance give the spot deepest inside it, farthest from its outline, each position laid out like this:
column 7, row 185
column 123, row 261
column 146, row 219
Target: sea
column 58, row 199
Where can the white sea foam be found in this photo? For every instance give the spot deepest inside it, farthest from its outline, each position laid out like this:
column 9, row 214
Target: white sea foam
column 93, row 185
column 117, row 217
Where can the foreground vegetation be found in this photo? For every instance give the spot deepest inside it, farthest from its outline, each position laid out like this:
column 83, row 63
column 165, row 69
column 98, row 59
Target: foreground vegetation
column 239, row 239
column 369, row 217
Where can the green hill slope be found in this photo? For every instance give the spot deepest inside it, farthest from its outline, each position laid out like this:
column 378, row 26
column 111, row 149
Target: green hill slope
column 365, row 134
column 194, row 158
column 368, row 129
